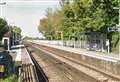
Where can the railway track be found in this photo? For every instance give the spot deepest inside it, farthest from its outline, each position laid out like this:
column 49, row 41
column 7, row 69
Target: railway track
column 63, row 74
column 58, row 71
column 68, row 57
column 75, row 58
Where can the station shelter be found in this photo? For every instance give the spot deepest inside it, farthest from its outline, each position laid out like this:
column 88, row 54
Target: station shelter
column 93, row 41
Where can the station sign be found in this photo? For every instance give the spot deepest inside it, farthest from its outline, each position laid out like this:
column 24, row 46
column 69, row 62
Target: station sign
column 114, row 29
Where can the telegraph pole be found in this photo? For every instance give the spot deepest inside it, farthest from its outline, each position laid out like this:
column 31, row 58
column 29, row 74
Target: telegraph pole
column 119, row 33
column 1, row 8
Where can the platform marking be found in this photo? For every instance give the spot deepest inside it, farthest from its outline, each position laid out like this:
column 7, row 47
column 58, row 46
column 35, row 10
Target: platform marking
column 29, row 57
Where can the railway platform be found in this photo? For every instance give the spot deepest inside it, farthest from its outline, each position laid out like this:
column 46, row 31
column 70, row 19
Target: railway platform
column 24, row 65
column 99, row 55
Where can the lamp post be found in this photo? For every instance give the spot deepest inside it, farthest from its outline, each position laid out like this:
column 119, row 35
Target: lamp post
column 1, row 7
column 118, row 8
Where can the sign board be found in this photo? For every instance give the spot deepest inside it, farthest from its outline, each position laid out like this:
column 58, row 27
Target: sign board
column 118, row 29
column 107, row 43
column 114, row 29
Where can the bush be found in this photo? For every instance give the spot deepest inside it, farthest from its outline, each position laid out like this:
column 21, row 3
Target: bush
column 115, row 43
column 1, row 45
column 11, row 78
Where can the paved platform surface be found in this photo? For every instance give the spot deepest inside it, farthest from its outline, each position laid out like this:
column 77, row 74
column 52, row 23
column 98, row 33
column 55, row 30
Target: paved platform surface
column 21, row 54
column 25, row 57
column 1, row 49
column 26, row 71
column 16, row 50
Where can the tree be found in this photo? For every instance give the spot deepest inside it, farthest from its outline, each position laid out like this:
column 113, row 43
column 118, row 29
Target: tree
column 95, row 15
column 17, row 29
column 17, row 32
column 3, row 27
column 80, row 16
column 51, row 24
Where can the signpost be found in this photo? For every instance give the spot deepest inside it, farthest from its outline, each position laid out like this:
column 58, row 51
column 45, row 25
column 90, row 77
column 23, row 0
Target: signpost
column 108, row 45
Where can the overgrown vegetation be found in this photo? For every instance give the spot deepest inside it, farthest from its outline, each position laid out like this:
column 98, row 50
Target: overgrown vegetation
column 116, row 45
column 11, row 78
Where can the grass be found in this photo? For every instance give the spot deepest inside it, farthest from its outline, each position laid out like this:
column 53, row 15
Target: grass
column 11, row 78
column 1, row 44
column 116, row 49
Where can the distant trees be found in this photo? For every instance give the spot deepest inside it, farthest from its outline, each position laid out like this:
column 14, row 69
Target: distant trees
column 80, row 16
column 51, row 23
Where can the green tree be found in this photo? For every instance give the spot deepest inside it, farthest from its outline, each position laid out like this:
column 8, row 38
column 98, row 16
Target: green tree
column 3, row 27
column 80, row 16
column 17, row 29
column 17, row 32
column 95, row 15
column 51, row 23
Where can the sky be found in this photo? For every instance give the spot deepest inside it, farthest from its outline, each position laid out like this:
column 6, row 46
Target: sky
column 27, row 13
